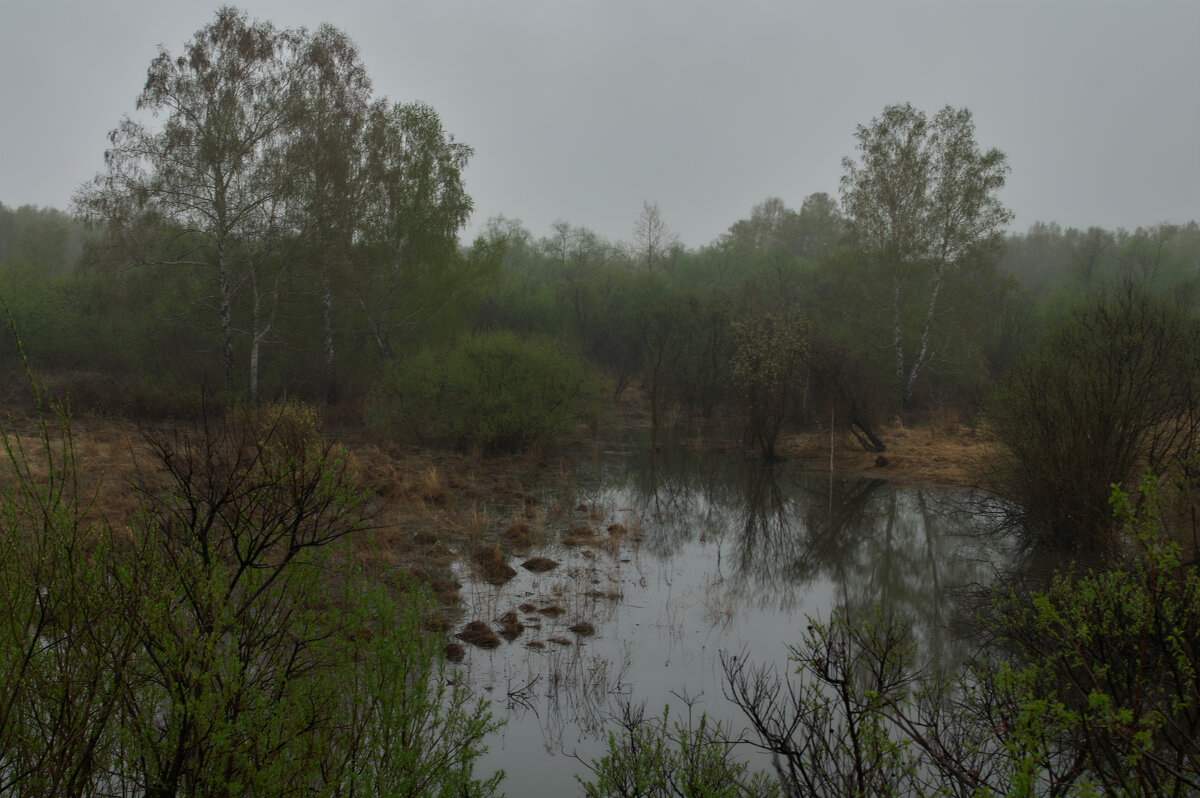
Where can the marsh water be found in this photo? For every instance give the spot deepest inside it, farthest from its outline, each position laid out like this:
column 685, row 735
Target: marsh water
column 707, row 555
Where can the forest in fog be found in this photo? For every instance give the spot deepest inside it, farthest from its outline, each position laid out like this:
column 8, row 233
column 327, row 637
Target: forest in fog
column 142, row 334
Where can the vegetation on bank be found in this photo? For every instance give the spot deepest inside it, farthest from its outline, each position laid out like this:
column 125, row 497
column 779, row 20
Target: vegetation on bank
column 224, row 640
column 493, row 391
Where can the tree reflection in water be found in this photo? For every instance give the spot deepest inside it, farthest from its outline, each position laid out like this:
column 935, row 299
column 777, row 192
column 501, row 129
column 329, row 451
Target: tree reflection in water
column 732, row 556
column 779, row 529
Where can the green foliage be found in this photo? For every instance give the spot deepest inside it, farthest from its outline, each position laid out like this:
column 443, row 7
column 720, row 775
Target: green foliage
column 495, row 391
column 1110, row 658
column 921, row 206
column 661, row 758
column 57, row 626
column 784, row 234
column 772, row 353
column 217, row 645
column 601, row 311
column 421, row 732
column 1114, row 390
column 1088, row 687
column 1064, row 270
column 274, row 178
column 521, row 305
column 291, row 425
column 44, row 238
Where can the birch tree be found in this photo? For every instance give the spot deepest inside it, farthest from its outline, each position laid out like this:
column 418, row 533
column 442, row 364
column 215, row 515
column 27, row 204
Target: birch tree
column 415, row 205
column 200, row 191
column 334, row 96
column 920, row 200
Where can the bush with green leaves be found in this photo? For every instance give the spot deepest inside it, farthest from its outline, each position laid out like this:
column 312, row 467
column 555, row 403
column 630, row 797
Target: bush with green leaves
column 1088, row 687
column 223, row 642
column 1109, row 658
column 662, row 758
column 1114, row 390
column 772, row 355
column 494, row 391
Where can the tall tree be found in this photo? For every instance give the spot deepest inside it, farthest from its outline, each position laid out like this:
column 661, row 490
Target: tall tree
column 771, row 228
column 576, row 251
column 415, row 206
column 920, row 199
column 783, row 233
column 654, row 243
column 820, row 226
column 333, row 95
column 207, row 176
column 275, row 172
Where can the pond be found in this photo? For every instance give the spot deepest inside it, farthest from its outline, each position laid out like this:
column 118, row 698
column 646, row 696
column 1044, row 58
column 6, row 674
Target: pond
column 672, row 559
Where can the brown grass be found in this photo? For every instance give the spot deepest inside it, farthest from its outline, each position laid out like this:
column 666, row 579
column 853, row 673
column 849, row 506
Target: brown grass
column 478, row 633
column 493, row 565
column 942, row 452
column 510, row 626
column 431, row 490
column 539, row 565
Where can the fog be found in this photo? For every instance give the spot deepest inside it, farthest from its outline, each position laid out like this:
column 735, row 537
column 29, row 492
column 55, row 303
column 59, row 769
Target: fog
column 581, row 110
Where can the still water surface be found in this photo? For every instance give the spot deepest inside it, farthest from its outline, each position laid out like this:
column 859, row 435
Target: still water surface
column 720, row 555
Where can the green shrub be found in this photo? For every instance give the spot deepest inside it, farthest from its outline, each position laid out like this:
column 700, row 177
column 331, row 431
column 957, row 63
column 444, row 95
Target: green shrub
column 660, row 758
column 225, row 643
column 1086, row 688
column 494, row 391
column 772, row 351
column 1114, row 390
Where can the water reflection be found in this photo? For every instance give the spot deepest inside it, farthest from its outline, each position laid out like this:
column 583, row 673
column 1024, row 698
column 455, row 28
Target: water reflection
column 778, row 529
column 733, row 556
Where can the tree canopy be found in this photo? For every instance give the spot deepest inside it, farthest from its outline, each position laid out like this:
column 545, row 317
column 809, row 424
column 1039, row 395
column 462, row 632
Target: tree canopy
column 920, row 200
column 271, row 172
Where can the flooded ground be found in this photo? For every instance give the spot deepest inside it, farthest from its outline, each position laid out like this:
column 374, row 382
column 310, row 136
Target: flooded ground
column 671, row 560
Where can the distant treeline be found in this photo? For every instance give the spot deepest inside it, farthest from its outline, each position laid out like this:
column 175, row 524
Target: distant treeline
column 647, row 311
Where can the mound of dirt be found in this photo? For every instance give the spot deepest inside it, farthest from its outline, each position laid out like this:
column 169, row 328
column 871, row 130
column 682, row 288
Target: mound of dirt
column 583, row 629
column 539, row 565
column 493, row 567
column 478, row 633
column 510, row 626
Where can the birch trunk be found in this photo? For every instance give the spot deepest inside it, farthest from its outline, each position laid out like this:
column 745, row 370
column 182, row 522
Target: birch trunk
column 924, row 355
column 898, row 331
column 331, row 384
column 225, row 310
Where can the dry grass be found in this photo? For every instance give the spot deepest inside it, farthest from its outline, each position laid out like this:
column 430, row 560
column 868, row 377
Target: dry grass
column 428, row 510
column 539, row 565
column 492, row 566
column 942, row 452
column 431, row 490
column 478, row 633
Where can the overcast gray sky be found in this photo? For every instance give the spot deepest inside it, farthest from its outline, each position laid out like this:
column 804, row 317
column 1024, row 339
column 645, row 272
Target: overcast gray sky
column 581, row 110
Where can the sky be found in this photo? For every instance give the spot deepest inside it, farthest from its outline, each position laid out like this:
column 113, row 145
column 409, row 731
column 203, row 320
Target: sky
column 581, row 111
